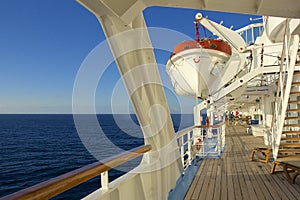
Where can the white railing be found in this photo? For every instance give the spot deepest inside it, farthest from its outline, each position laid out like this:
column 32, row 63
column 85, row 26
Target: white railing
column 251, row 32
column 58, row 185
column 191, row 146
column 287, row 66
column 185, row 144
column 212, row 146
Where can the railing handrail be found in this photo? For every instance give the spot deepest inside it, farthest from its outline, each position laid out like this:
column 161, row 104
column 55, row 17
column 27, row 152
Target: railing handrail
column 58, row 185
column 189, row 145
column 249, row 27
column 186, row 130
column 217, row 125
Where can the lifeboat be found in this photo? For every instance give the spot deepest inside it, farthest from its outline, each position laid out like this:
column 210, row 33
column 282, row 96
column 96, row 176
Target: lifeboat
column 275, row 27
column 218, row 45
column 195, row 65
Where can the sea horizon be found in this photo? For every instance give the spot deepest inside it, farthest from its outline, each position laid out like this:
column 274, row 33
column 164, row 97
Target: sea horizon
column 84, row 114
column 38, row 147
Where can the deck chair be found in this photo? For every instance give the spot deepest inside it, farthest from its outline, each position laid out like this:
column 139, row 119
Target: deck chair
column 266, row 152
column 291, row 168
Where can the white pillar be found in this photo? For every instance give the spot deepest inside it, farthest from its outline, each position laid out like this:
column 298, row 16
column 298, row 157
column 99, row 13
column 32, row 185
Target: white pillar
column 197, row 132
column 268, row 110
column 197, row 122
column 198, row 118
column 210, row 116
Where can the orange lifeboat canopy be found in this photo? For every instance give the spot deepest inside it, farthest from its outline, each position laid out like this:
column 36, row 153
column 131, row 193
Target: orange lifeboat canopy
column 216, row 44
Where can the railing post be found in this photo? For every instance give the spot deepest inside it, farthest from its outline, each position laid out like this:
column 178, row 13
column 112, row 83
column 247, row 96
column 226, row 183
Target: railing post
column 182, row 151
column 202, row 141
column 252, row 34
column 223, row 135
column 219, row 140
column 104, row 180
column 189, row 147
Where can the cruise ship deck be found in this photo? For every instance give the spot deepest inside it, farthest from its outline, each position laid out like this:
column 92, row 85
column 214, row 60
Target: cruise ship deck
column 234, row 176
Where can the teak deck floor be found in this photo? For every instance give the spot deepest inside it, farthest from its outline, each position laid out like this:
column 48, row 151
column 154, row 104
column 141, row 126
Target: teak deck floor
column 234, row 176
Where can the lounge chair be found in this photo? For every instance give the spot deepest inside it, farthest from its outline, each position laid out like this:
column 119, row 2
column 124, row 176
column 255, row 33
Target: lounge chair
column 291, row 168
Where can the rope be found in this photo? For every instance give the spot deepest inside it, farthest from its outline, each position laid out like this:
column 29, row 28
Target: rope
column 197, row 30
column 262, row 55
column 171, row 58
column 272, row 56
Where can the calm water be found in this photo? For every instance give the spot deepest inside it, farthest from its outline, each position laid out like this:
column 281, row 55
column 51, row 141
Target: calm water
column 35, row 148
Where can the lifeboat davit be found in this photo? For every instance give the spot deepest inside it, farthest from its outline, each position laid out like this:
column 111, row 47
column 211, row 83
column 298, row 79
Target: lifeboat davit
column 195, row 65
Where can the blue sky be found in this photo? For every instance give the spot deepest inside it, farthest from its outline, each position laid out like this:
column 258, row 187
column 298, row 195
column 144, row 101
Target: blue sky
column 43, row 43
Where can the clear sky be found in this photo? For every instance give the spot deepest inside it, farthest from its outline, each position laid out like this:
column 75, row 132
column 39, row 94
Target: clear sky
column 44, row 42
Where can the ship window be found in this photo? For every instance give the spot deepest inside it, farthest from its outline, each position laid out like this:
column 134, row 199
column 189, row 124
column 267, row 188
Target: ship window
column 213, row 46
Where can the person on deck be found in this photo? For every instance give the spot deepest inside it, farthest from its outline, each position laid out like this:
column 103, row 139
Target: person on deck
column 207, row 121
column 230, row 117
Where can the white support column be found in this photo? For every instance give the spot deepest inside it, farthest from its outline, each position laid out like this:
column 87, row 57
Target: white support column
column 268, row 110
column 210, row 115
column 197, row 132
column 197, row 115
column 131, row 46
column 263, row 109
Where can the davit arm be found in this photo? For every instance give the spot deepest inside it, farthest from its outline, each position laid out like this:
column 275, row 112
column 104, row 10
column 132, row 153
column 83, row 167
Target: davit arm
column 233, row 38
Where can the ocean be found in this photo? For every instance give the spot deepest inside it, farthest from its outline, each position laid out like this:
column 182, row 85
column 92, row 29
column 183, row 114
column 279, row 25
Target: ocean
column 36, row 148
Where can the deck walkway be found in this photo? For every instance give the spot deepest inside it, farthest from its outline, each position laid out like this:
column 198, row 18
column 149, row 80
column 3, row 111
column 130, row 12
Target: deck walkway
column 234, row 176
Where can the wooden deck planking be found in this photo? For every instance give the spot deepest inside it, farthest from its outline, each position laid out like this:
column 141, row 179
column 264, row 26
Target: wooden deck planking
column 254, row 182
column 224, row 180
column 200, row 179
column 204, row 188
column 230, row 189
column 245, row 181
column 194, row 183
column 234, row 176
column 217, row 194
column 280, row 185
column 240, row 171
column 212, row 183
column 235, row 179
column 255, row 169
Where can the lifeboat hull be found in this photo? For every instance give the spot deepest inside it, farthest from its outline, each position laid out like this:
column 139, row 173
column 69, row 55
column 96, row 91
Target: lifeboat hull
column 275, row 28
column 194, row 70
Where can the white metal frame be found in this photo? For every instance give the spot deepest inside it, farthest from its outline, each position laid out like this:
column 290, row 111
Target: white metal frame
column 188, row 147
column 287, row 67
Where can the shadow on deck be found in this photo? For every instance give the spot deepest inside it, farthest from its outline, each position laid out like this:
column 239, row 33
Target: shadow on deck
column 234, row 176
